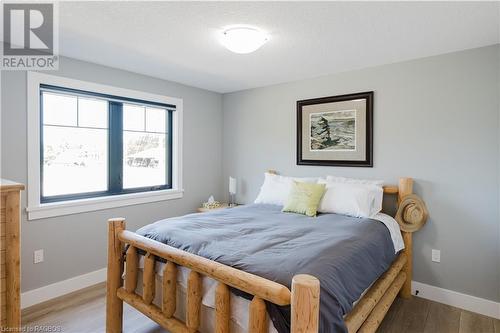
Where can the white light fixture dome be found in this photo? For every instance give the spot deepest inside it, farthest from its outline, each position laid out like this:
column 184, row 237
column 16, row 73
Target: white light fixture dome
column 243, row 39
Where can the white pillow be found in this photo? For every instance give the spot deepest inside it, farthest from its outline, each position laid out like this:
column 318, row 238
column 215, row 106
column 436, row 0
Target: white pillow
column 379, row 194
column 276, row 188
column 353, row 199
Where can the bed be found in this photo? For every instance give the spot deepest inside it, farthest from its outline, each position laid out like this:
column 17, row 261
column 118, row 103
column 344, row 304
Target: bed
column 256, row 269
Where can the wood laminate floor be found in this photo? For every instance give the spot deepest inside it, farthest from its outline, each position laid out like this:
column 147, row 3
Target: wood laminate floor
column 86, row 314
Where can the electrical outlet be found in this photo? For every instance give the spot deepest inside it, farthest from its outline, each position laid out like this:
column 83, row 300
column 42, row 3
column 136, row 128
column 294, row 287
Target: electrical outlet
column 38, row 256
column 436, row 255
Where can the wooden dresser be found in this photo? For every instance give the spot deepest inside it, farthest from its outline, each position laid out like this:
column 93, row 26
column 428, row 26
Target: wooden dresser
column 10, row 274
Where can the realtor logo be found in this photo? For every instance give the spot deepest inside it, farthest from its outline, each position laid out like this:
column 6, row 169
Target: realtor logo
column 29, row 36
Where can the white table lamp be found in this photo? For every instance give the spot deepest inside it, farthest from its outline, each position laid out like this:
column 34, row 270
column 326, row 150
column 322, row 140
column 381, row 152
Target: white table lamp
column 232, row 191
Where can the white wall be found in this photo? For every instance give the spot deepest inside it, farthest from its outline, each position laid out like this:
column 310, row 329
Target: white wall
column 435, row 119
column 76, row 244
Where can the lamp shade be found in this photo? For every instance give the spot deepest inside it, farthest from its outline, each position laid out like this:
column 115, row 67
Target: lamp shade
column 232, row 185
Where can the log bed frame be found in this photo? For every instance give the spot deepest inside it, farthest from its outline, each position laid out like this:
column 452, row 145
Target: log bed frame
column 303, row 297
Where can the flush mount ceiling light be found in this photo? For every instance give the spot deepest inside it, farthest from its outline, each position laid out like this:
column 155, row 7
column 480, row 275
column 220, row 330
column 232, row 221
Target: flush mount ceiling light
column 243, row 39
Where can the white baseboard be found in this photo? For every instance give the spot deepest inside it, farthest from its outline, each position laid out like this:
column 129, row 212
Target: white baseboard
column 456, row 299
column 46, row 293
column 445, row 296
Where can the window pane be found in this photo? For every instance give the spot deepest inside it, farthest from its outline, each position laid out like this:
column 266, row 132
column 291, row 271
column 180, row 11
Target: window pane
column 156, row 120
column 75, row 160
column 59, row 109
column 133, row 117
column 92, row 113
column 144, row 159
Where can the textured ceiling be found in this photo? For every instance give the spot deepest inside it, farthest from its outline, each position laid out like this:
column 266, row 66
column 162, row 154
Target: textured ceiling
column 178, row 40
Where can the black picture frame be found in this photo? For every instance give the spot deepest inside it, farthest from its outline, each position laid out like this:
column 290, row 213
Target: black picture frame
column 368, row 160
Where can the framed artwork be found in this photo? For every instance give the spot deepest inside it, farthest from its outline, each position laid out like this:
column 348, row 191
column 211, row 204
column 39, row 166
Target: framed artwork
column 336, row 130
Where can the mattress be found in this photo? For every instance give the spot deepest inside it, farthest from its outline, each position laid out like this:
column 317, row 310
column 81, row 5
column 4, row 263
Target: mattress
column 239, row 305
column 346, row 254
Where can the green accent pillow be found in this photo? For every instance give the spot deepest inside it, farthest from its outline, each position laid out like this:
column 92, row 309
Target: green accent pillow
column 304, row 198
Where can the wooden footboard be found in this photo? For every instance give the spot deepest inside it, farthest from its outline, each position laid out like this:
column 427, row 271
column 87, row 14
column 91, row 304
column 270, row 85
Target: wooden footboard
column 304, row 297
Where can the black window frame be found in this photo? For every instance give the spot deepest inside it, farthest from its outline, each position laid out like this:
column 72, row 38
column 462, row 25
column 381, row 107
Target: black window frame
column 115, row 145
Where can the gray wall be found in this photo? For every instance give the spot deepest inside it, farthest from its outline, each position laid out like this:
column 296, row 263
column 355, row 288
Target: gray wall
column 76, row 244
column 435, row 119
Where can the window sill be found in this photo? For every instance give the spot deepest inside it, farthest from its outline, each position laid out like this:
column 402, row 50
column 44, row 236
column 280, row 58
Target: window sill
column 100, row 203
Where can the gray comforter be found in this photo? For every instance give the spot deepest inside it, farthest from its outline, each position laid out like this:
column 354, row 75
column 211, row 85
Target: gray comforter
column 346, row 254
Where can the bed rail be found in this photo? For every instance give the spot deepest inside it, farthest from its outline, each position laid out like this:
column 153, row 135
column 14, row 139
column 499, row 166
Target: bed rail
column 304, row 297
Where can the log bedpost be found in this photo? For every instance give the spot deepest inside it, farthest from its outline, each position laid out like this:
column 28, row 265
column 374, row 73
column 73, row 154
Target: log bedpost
column 406, row 188
column 305, row 304
column 114, row 305
column 412, row 214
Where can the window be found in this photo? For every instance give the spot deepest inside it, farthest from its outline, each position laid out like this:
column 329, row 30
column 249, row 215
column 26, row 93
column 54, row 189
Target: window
column 93, row 146
column 98, row 145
